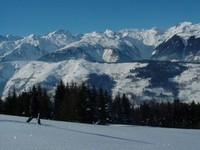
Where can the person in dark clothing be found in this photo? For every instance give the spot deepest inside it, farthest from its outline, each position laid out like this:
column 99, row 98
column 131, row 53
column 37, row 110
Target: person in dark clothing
column 34, row 108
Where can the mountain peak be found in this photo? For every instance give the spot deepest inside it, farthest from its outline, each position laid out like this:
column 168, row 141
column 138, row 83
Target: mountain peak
column 62, row 31
column 32, row 36
column 109, row 33
column 183, row 24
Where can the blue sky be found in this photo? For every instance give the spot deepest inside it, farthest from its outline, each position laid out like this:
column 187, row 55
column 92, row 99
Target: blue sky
column 23, row 17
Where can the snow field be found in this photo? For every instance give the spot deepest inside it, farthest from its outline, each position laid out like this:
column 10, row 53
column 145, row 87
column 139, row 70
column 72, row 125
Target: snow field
column 16, row 134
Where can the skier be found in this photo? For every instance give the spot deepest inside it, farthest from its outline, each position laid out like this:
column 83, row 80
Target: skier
column 34, row 108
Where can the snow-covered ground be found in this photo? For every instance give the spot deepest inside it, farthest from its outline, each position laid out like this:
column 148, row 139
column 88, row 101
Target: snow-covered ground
column 16, row 134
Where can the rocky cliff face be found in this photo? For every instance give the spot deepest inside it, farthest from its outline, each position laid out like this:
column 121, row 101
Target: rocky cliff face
column 192, row 49
column 172, row 49
column 178, row 49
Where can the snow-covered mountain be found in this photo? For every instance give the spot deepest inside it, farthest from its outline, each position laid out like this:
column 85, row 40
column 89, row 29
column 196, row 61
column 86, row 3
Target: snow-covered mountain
column 33, row 47
column 176, row 48
column 111, row 59
column 139, row 80
column 183, row 45
column 109, row 46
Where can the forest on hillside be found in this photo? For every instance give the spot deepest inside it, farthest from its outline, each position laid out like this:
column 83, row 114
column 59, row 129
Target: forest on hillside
column 81, row 103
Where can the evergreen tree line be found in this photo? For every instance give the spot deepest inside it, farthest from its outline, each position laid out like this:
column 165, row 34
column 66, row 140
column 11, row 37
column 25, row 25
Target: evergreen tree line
column 89, row 105
column 94, row 105
column 20, row 104
column 168, row 114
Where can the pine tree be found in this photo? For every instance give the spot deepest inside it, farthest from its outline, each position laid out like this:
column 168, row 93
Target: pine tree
column 88, row 101
column 145, row 111
column 117, row 109
column 176, row 113
column 24, row 103
column 67, row 110
column 108, row 107
column 45, row 105
column 102, row 105
column 58, row 101
column 82, row 102
column 11, row 103
column 92, row 106
column 1, row 105
column 73, row 102
column 125, row 109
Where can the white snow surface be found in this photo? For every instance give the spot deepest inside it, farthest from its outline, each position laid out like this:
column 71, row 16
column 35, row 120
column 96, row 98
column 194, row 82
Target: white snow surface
column 21, row 76
column 189, row 83
column 16, row 134
column 48, row 74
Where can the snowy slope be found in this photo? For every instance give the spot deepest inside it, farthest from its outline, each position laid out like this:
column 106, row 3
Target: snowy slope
column 189, row 83
column 7, row 70
column 51, row 135
column 139, row 80
column 48, row 74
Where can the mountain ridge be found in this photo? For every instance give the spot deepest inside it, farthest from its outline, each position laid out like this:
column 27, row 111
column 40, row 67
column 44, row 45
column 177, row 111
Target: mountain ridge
column 142, row 42
column 109, row 56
